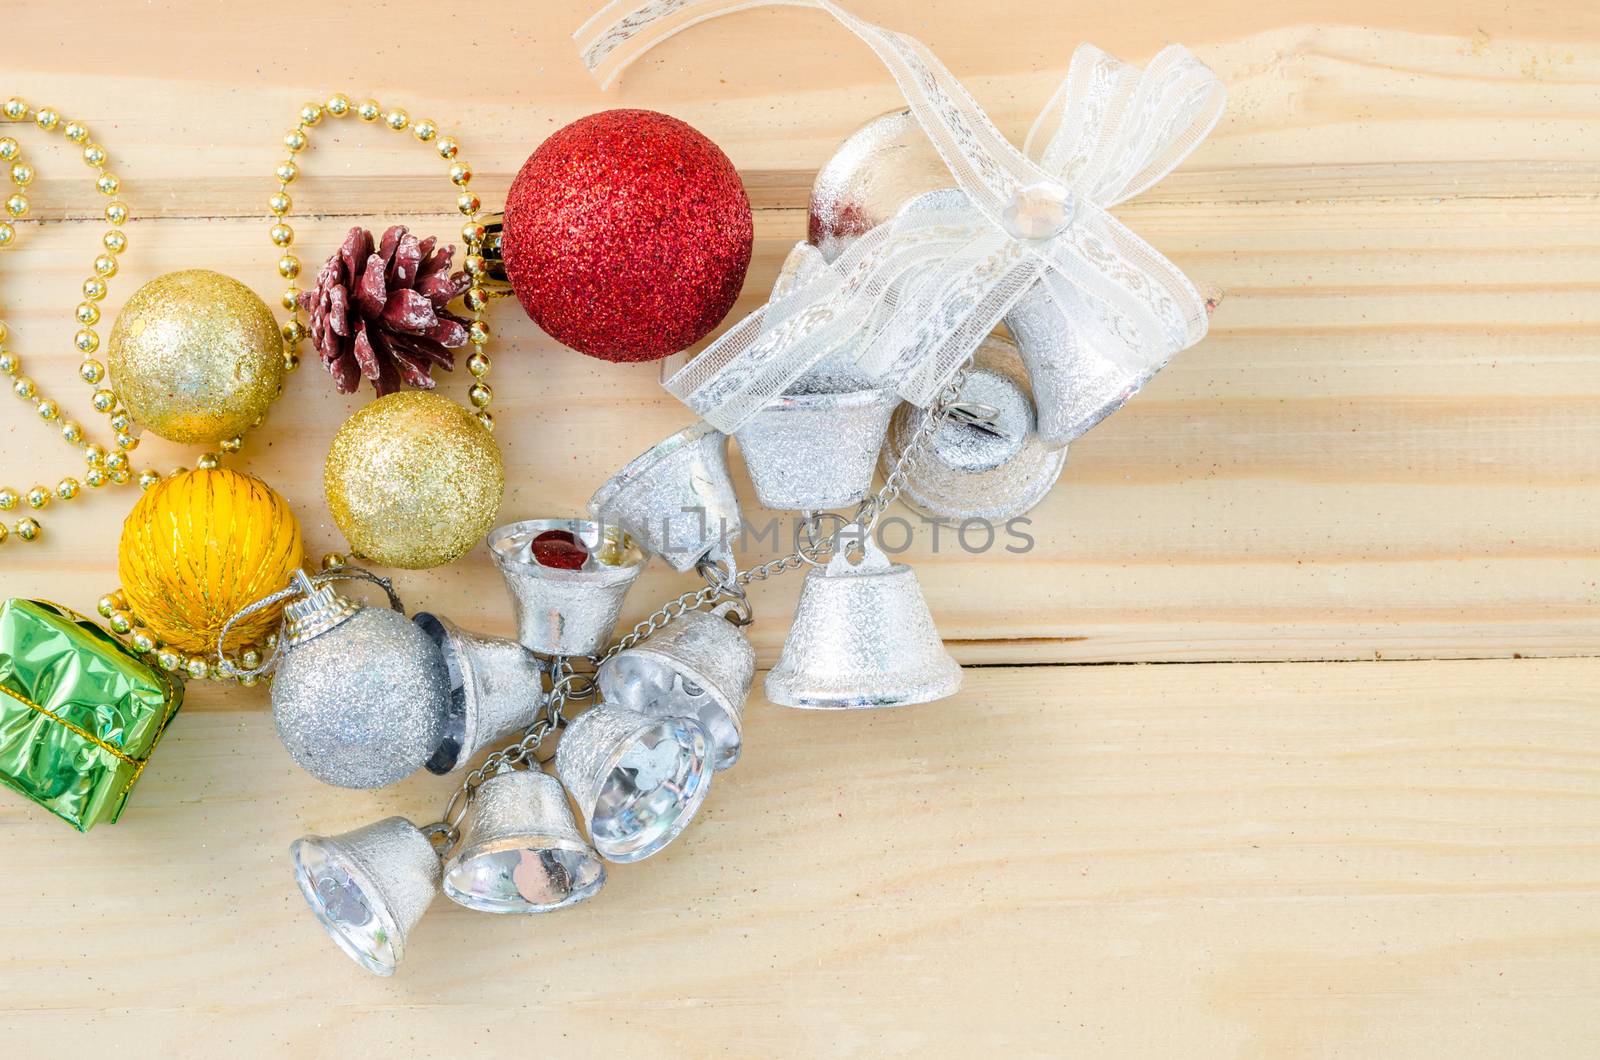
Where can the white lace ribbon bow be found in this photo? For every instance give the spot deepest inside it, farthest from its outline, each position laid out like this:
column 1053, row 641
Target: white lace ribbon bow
column 913, row 297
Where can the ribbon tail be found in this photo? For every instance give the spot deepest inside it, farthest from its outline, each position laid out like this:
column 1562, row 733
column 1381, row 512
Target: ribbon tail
column 985, row 165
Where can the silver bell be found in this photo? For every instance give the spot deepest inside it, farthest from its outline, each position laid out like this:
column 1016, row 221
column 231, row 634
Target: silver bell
column 359, row 695
column 986, row 461
column 877, row 169
column 368, row 888
column 816, row 452
column 522, row 852
column 496, row 689
column 637, row 780
column 676, row 498
column 564, row 610
column 862, row 637
column 814, row 447
column 700, row 666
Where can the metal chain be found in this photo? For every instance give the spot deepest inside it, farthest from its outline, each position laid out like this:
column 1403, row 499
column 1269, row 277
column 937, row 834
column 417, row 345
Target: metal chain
column 520, row 753
column 721, row 581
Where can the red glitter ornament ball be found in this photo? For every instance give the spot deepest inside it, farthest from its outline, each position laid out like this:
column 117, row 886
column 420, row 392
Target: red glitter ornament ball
column 627, row 235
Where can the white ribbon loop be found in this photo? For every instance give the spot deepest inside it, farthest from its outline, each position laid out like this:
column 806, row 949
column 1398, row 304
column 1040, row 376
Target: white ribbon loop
column 912, row 298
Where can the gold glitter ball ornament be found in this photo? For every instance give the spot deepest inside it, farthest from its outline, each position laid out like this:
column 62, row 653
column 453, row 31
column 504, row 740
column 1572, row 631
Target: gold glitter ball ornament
column 200, row 546
column 196, row 356
column 413, row 480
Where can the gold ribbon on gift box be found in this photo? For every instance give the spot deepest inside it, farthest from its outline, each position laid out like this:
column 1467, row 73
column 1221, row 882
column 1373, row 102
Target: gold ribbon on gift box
column 60, row 666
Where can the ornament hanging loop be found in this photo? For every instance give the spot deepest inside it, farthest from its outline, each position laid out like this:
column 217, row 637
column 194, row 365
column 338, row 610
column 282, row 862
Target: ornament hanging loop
column 301, row 585
column 722, row 576
column 443, row 836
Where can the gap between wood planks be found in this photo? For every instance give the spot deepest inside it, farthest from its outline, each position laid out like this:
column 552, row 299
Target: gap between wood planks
column 1375, row 657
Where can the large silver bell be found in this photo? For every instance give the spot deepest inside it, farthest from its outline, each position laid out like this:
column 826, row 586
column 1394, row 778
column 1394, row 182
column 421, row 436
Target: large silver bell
column 676, row 498
column 638, row 780
column 700, row 666
column 496, row 689
column 862, row 637
column 522, row 851
column 986, row 461
column 888, row 163
column 369, row 887
column 567, row 609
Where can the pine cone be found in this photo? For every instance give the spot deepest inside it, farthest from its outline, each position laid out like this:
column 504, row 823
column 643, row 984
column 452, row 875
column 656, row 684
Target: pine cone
column 381, row 315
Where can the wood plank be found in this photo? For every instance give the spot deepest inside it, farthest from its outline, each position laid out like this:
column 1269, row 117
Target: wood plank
column 1305, row 860
column 1386, row 447
column 1394, row 454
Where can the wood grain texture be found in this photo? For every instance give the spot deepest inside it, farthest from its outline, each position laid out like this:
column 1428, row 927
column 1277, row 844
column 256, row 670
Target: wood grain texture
column 1278, row 861
column 1386, row 448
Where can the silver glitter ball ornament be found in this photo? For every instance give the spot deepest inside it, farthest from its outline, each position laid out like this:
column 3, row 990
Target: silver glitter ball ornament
column 368, row 887
column 360, row 694
column 862, row 637
column 522, row 851
column 700, row 666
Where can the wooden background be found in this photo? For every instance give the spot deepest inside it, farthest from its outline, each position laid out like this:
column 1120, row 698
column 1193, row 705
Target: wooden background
column 1388, row 449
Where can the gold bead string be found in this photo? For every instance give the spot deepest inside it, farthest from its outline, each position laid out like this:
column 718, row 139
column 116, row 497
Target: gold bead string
column 473, row 231
column 113, row 607
column 105, row 465
column 122, row 621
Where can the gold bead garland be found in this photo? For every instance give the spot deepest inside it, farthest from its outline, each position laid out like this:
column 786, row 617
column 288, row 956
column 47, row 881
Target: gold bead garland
column 473, row 232
column 104, row 464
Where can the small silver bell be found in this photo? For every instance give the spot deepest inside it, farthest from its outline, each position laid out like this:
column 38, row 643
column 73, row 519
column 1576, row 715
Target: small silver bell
column 862, row 637
column 700, row 666
column 496, row 689
column 368, row 888
column 568, row 608
column 676, row 498
column 360, row 694
column 991, row 466
column 1074, row 387
column 836, row 372
column 816, row 452
column 637, row 780
column 522, row 852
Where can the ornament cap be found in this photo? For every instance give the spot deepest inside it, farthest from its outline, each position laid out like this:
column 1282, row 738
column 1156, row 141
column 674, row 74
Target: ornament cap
column 318, row 609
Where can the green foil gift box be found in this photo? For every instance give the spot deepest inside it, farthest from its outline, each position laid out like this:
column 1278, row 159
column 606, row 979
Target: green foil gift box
column 79, row 713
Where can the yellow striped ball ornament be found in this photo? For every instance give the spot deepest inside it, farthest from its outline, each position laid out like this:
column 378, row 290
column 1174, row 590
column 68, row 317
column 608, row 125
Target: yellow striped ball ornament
column 200, row 546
